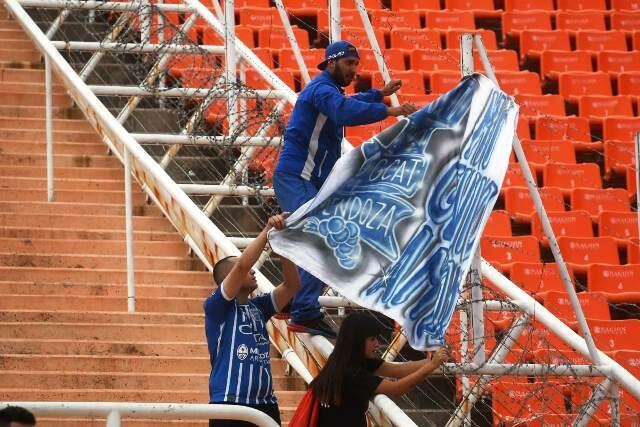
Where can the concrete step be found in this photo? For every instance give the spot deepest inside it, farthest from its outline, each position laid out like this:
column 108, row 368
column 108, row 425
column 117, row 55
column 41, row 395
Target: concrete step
column 61, row 195
column 59, row 135
column 72, row 379
column 60, row 160
column 106, row 347
column 288, row 400
column 33, row 99
column 38, row 87
column 114, row 171
column 98, row 261
column 101, row 331
column 21, row 232
column 34, row 112
column 88, row 222
column 74, row 275
column 92, row 247
column 100, row 422
column 16, row 55
column 16, row 43
column 11, row 34
column 23, row 75
column 20, row 183
column 74, row 148
column 52, row 208
column 35, row 124
column 101, row 303
column 10, row 24
column 103, row 290
column 113, row 304
column 69, row 316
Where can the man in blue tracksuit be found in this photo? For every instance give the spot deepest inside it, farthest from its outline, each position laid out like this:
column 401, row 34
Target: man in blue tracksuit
column 312, row 145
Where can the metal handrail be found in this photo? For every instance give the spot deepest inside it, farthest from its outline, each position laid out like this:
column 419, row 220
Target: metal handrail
column 115, row 411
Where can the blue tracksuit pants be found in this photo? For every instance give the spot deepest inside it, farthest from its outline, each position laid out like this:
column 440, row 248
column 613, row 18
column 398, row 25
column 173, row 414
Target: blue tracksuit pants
column 292, row 192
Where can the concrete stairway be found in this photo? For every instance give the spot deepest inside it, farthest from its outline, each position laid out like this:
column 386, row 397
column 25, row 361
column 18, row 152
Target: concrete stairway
column 65, row 334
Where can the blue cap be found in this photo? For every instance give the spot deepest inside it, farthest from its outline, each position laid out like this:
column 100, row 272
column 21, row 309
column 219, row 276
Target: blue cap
column 338, row 50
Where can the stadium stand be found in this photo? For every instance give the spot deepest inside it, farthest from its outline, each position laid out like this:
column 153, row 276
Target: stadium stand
column 574, row 68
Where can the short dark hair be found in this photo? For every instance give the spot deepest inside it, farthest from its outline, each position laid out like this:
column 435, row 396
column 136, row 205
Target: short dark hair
column 222, row 269
column 16, row 414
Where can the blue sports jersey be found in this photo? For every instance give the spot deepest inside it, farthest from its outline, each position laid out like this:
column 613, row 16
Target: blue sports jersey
column 239, row 349
column 313, row 137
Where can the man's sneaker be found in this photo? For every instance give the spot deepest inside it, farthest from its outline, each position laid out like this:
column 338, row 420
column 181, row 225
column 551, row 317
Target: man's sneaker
column 317, row 326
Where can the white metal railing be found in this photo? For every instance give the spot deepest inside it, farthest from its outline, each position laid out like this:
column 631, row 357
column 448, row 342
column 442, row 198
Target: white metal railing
column 113, row 412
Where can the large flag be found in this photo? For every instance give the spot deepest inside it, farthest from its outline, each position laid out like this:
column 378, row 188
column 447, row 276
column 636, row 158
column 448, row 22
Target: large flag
column 396, row 224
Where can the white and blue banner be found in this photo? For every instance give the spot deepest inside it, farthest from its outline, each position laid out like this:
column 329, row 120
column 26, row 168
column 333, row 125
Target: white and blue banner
column 396, row 224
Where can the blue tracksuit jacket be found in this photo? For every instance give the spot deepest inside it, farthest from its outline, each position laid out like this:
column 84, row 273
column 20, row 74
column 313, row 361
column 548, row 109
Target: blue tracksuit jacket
column 313, row 137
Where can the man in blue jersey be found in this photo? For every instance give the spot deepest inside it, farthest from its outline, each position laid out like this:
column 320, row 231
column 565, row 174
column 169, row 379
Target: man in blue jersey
column 236, row 330
column 312, row 145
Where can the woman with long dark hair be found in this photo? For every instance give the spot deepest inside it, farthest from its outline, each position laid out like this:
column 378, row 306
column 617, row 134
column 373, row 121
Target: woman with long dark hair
column 353, row 374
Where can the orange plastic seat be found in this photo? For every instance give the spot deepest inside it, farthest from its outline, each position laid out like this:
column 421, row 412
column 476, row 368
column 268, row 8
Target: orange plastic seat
column 575, row 85
column 627, row 21
column 534, row 42
column 255, row 81
column 636, row 40
column 481, row 8
column 619, row 225
column 518, row 202
column 372, row 5
column 620, row 128
column 537, row 277
column 311, row 57
column 568, row 176
column 501, row 60
column 435, row 60
column 180, row 62
column 370, row 130
column 633, row 251
column 618, row 62
column 443, row 81
column 415, row 38
column 513, row 23
column 419, row 100
column 251, row 3
column 349, row 18
column 570, row 224
column 600, row 41
column 275, row 38
column 452, row 38
column 514, row 178
column 522, row 129
column 557, row 127
column 199, row 77
column 594, row 305
column 624, row 4
column 620, row 282
column 629, row 84
column 519, row 399
column 386, row 19
column 394, row 59
column 580, row 252
column 448, row 19
column 499, row 224
column 595, row 200
column 612, row 335
column 582, row 5
column 553, row 62
column 596, row 107
column 631, row 180
column 539, row 153
column 243, row 32
column 519, row 82
column 540, row 105
column 358, row 36
column 259, row 17
column 415, row 5
column 586, row 20
column 618, row 156
column 412, row 81
column 507, row 250
column 529, row 5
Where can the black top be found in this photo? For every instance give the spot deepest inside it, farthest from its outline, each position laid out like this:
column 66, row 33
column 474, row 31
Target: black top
column 358, row 387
